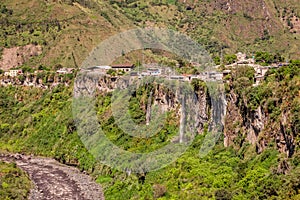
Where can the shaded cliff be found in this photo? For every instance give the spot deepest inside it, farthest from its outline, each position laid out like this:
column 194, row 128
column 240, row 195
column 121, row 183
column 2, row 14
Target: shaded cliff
column 266, row 115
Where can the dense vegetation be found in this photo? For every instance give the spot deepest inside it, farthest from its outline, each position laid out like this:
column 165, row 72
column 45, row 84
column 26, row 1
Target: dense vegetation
column 44, row 126
column 14, row 183
column 277, row 96
column 40, row 122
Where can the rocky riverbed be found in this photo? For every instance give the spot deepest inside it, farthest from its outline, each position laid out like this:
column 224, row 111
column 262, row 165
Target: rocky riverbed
column 53, row 180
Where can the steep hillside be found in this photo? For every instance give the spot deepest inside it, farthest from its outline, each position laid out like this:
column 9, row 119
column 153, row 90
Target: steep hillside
column 66, row 31
column 232, row 25
column 258, row 155
column 262, row 165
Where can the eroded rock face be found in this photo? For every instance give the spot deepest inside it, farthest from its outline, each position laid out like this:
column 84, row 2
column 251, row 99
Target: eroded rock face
column 256, row 127
column 16, row 56
column 245, row 124
column 163, row 96
column 53, row 180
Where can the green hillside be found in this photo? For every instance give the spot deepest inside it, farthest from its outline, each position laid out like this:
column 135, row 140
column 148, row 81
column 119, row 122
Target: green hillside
column 69, row 30
column 35, row 121
column 40, row 121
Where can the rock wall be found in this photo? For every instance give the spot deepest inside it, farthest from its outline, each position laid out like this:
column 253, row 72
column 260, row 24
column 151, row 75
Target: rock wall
column 35, row 80
column 256, row 127
column 163, row 96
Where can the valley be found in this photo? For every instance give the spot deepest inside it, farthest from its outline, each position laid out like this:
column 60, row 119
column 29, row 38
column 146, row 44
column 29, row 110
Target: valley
column 149, row 124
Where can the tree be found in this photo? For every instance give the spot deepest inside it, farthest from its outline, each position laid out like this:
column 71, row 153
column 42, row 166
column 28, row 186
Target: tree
column 230, row 58
column 111, row 72
column 217, row 60
column 266, row 58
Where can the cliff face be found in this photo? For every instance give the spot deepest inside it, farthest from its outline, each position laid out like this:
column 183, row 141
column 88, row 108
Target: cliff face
column 39, row 80
column 162, row 96
column 243, row 124
column 258, row 126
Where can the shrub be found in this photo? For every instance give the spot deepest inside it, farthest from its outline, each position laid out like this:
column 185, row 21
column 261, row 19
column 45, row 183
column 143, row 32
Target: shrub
column 229, row 59
column 159, row 190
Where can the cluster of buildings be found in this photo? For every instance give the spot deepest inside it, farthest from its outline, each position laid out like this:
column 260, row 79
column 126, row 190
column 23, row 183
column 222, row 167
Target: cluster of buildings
column 116, row 67
column 155, row 70
column 17, row 72
column 167, row 72
column 13, row 73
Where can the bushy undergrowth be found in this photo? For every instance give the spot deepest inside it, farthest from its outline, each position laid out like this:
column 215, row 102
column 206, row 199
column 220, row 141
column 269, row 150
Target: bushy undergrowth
column 14, row 183
column 40, row 122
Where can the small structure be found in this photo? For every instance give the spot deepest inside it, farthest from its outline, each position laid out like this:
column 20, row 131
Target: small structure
column 217, row 76
column 13, row 73
column 145, row 74
column 187, row 77
column 226, row 72
column 65, row 71
column 203, row 76
column 154, row 71
column 258, row 79
column 123, row 67
column 177, row 77
column 261, row 71
column 241, row 57
column 102, row 69
column 194, row 77
column 134, row 74
column 283, row 64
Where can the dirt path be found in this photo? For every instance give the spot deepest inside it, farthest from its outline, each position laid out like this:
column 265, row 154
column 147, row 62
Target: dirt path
column 53, row 180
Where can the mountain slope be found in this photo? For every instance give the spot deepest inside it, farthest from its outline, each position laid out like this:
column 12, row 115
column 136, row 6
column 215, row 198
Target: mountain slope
column 68, row 30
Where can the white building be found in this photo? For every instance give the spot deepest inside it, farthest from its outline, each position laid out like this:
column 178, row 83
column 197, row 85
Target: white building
column 241, row 57
column 13, row 73
column 123, row 67
column 154, row 71
column 65, row 71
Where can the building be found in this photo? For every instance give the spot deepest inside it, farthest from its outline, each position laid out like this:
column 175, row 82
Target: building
column 123, row 67
column 154, row 71
column 226, row 72
column 258, row 79
column 65, row 71
column 241, row 57
column 177, row 77
column 13, row 73
column 102, row 69
column 217, row 76
column 187, row 77
column 134, row 74
column 261, row 71
column 203, row 76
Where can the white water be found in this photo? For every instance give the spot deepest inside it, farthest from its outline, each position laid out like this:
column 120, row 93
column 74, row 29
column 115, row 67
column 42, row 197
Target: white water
column 148, row 112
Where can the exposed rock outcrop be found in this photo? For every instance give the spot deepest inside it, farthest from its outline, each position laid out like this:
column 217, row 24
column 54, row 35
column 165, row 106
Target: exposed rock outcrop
column 16, row 56
column 256, row 127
